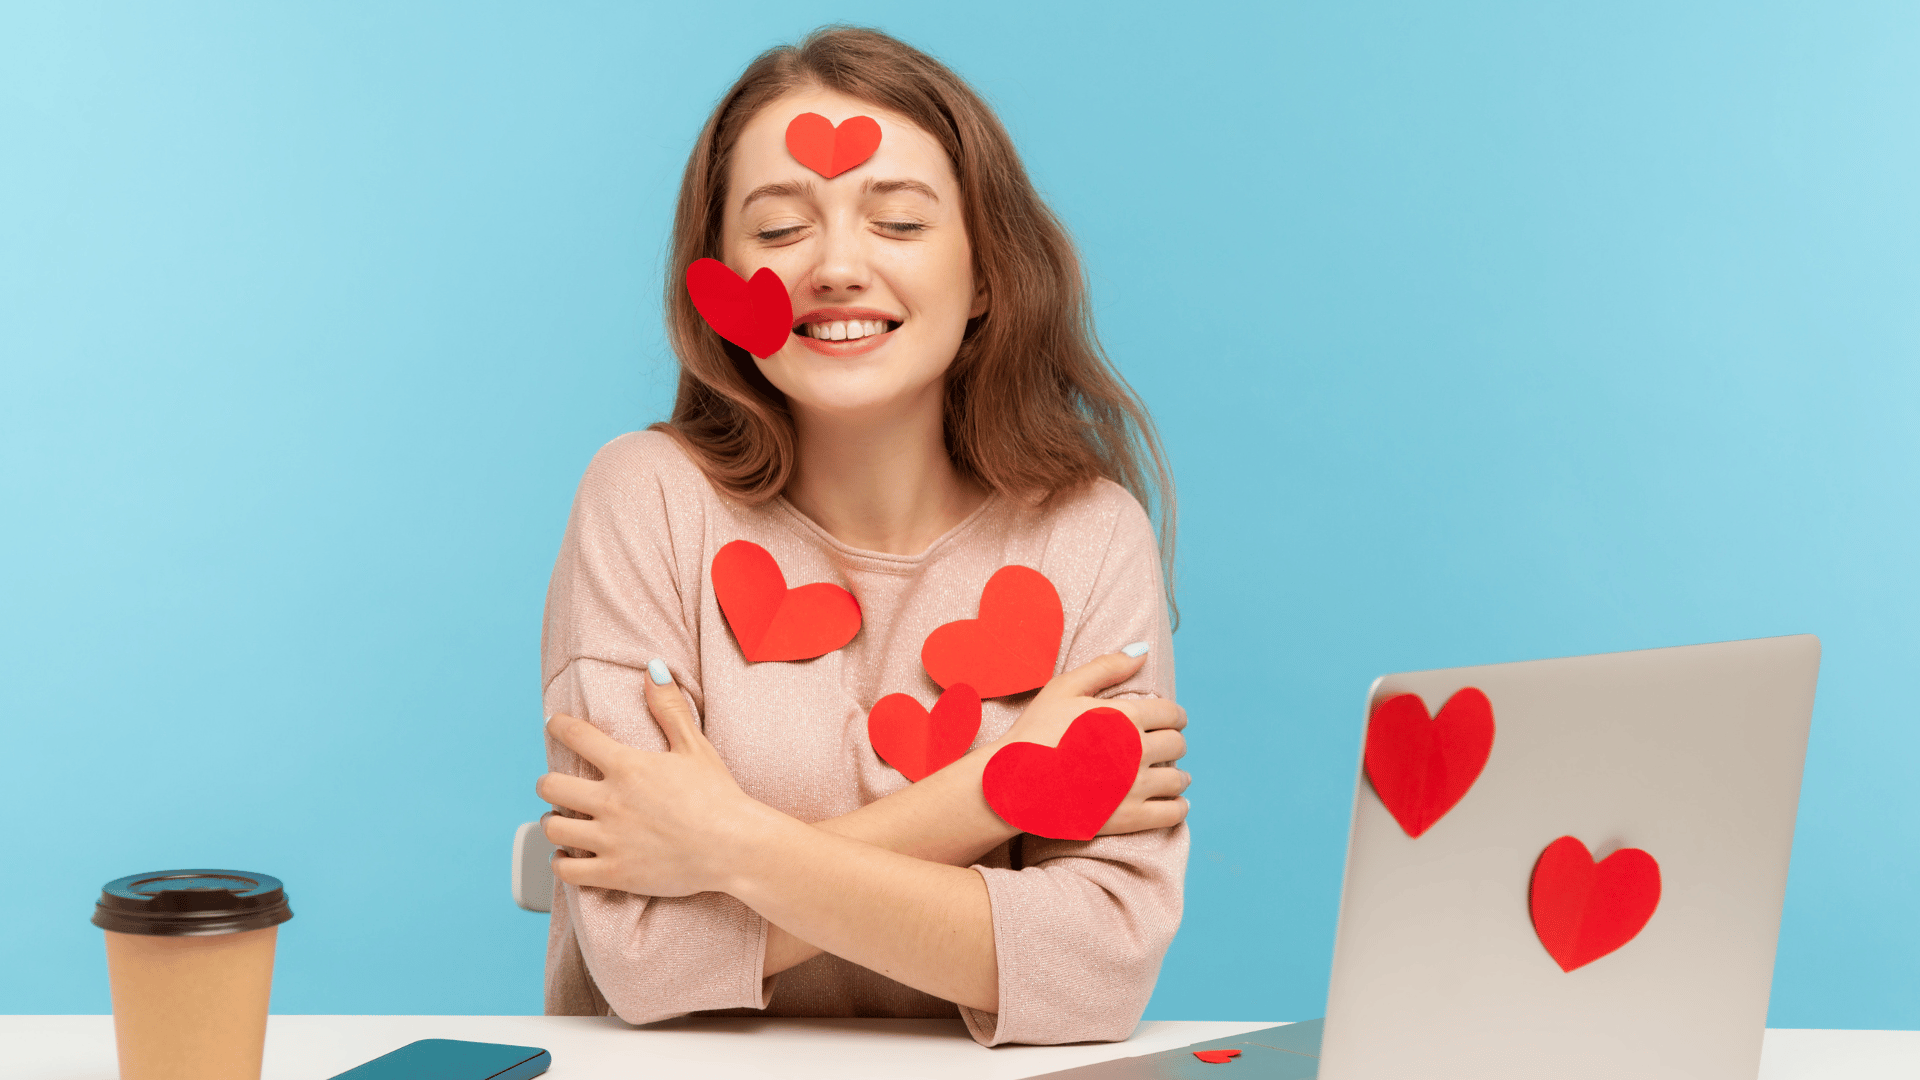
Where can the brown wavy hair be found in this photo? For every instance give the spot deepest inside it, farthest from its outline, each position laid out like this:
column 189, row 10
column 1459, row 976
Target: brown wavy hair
column 1033, row 407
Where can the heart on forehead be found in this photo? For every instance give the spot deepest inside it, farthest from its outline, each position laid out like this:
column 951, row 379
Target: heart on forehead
column 1584, row 910
column 1421, row 768
column 1011, row 647
column 816, row 143
column 920, row 743
column 1066, row 792
column 756, row 314
column 771, row 621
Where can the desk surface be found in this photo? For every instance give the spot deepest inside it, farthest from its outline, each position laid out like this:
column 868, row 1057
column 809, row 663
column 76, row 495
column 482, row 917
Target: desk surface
column 317, row 1047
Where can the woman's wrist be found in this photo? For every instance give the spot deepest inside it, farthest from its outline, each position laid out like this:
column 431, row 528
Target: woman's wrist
column 943, row 818
column 759, row 842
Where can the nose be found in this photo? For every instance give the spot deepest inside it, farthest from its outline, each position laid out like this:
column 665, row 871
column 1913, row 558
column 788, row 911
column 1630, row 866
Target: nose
column 840, row 267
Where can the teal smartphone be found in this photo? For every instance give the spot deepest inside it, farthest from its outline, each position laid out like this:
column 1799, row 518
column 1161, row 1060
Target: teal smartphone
column 451, row 1059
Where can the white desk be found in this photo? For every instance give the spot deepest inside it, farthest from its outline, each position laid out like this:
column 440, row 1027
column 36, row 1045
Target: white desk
column 316, row 1047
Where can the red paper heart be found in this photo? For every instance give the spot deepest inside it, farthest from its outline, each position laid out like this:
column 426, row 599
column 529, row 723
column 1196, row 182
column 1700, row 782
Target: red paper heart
column 1420, row 768
column 1584, row 910
column 1011, row 647
column 756, row 314
column 1216, row 1057
column 771, row 621
column 917, row 742
column 816, row 143
column 1066, row 792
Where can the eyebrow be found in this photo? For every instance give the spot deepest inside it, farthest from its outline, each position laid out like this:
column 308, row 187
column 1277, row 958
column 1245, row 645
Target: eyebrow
column 888, row 187
column 790, row 188
column 777, row 191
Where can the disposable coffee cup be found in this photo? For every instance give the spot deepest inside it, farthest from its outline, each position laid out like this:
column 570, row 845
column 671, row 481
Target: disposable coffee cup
column 190, row 960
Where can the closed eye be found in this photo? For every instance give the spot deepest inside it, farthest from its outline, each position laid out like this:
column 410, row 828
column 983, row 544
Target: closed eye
column 770, row 235
column 902, row 228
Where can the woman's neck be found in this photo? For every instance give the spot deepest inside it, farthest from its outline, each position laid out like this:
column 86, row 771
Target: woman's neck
column 882, row 483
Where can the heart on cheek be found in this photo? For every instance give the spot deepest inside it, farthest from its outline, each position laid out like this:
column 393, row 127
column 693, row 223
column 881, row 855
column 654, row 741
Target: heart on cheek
column 771, row 621
column 1066, row 792
column 1583, row 910
column 816, row 143
column 920, row 743
column 755, row 314
column 1011, row 647
column 1421, row 768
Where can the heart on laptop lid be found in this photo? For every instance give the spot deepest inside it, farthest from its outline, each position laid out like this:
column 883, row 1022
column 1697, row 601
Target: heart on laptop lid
column 1420, row 767
column 1584, row 909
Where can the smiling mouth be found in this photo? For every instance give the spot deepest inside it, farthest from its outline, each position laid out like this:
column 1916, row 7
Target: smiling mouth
column 846, row 329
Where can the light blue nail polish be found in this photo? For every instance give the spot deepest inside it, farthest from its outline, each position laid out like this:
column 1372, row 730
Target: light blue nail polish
column 1138, row 648
column 657, row 668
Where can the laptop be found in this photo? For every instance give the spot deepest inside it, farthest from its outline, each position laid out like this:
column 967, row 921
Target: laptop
column 1579, row 876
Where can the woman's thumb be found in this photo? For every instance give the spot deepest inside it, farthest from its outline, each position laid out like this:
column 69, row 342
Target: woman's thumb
column 669, row 707
column 1102, row 671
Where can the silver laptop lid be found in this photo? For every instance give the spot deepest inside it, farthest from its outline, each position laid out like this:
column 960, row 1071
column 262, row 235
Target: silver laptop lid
column 1692, row 755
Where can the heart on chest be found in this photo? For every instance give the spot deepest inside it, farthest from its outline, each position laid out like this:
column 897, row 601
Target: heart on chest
column 771, row 621
column 919, row 742
column 1011, row 647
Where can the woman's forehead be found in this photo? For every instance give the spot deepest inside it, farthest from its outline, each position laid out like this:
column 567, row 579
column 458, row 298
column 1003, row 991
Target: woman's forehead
column 906, row 150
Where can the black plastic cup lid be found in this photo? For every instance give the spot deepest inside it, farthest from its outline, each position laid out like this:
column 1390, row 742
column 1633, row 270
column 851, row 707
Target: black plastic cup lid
column 183, row 903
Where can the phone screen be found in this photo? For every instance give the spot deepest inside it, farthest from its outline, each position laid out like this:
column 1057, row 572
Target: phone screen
column 452, row 1059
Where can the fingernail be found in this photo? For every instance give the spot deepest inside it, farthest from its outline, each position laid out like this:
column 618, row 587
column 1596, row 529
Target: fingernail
column 1138, row 648
column 657, row 668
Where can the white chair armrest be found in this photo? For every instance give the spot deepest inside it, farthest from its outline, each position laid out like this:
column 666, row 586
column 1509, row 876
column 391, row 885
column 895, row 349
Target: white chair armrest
column 532, row 877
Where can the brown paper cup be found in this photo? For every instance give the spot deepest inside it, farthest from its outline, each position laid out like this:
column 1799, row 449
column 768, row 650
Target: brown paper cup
column 190, row 960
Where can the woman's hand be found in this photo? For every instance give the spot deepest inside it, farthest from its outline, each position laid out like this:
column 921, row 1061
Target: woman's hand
column 1155, row 801
column 662, row 824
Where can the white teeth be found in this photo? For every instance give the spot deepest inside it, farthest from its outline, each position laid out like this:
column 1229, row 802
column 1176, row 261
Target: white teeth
column 846, row 330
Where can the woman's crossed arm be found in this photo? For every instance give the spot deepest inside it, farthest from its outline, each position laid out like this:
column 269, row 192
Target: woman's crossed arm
column 885, row 887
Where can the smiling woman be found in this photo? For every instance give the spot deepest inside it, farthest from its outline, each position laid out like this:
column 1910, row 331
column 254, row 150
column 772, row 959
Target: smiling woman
column 938, row 412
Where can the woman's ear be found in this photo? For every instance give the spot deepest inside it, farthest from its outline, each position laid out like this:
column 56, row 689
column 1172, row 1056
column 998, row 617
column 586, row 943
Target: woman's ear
column 980, row 297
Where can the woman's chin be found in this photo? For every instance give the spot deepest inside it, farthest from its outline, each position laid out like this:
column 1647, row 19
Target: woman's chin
column 860, row 396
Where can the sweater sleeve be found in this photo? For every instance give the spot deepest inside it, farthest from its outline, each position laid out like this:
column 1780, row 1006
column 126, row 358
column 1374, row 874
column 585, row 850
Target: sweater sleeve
column 618, row 598
column 1081, row 929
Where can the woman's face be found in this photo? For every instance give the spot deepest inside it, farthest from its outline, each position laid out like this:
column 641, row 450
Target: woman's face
column 876, row 260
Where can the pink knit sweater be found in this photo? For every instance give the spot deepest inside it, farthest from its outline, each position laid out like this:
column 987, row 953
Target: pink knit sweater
column 1079, row 928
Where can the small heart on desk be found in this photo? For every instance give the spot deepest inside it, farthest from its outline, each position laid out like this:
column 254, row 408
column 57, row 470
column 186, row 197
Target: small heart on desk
column 1216, row 1057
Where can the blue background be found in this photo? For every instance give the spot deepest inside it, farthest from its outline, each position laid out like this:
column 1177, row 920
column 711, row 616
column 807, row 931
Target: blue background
column 1477, row 332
